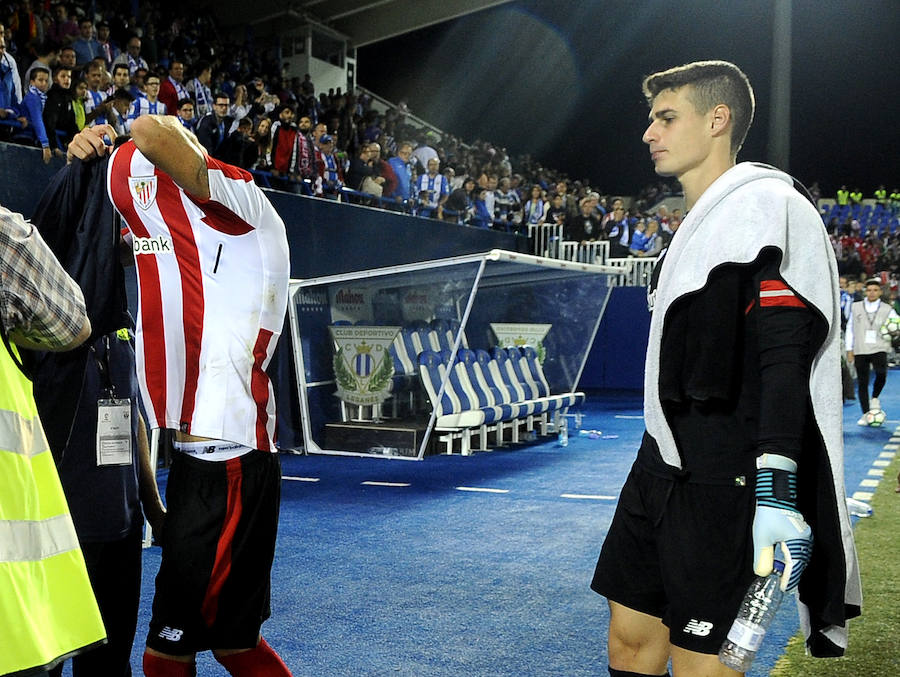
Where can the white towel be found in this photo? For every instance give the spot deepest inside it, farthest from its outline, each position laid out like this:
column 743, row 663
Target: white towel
column 742, row 212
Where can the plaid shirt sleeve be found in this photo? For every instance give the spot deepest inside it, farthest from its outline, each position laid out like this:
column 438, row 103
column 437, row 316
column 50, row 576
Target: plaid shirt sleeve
column 37, row 297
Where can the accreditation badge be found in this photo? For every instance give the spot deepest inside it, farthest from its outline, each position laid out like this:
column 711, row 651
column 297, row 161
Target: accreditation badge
column 114, row 432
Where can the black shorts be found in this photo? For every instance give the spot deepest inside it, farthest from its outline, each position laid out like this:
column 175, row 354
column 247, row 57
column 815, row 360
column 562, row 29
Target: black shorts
column 680, row 551
column 212, row 589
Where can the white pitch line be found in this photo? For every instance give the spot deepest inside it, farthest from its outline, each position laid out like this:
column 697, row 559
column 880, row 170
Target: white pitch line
column 881, row 464
column 628, row 417
column 300, row 479
column 372, row 483
column 876, row 472
column 589, row 497
column 483, row 490
column 869, row 483
column 863, row 495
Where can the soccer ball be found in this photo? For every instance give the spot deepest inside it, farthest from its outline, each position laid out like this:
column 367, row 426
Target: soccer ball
column 875, row 418
column 891, row 328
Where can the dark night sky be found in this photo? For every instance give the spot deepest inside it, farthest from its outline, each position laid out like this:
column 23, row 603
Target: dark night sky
column 561, row 80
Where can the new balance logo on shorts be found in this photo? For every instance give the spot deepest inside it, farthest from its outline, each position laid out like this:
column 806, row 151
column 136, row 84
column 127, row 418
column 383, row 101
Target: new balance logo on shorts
column 171, row 634
column 699, row 628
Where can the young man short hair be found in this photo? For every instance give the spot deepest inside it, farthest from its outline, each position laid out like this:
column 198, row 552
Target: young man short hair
column 741, row 401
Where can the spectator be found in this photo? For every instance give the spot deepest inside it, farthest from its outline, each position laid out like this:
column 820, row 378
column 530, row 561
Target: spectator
column 10, row 84
column 241, row 106
column 534, row 212
column 329, row 173
column 95, row 96
column 261, row 97
column 569, row 201
column 239, row 149
column 507, row 205
column 62, row 30
column 460, row 206
column 66, row 58
column 400, row 163
column 488, row 180
column 433, row 189
column 423, row 153
column 363, row 175
column 79, row 96
column 199, row 89
column 120, row 79
column 213, row 128
column 262, row 136
column 585, row 226
column 108, row 49
column 33, row 110
column 186, row 113
column 172, row 90
column 481, row 217
column 114, row 110
column 131, row 57
column 618, row 231
column 47, row 56
column 86, row 45
column 58, row 112
column 649, row 243
column 26, row 26
column 138, row 84
column 291, row 156
column 304, row 124
column 556, row 213
column 149, row 104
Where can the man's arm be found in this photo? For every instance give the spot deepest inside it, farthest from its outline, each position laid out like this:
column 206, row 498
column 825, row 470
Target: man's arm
column 41, row 306
column 169, row 146
column 151, row 501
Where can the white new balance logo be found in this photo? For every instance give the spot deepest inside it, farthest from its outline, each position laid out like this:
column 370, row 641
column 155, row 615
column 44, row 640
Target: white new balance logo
column 171, row 634
column 699, row 628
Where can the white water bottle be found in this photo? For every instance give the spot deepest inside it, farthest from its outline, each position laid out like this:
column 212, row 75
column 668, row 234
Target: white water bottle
column 563, row 434
column 753, row 619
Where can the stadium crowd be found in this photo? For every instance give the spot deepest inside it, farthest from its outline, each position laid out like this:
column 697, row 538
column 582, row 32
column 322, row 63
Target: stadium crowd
column 64, row 66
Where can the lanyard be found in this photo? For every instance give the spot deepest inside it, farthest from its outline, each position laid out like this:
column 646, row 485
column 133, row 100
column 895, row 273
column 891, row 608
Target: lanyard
column 103, row 368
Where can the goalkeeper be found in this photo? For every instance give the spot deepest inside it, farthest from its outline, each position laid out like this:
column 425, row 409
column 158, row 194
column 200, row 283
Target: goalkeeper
column 742, row 402
column 868, row 346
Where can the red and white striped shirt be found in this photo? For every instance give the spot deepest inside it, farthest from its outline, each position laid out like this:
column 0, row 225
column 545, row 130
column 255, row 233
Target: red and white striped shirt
column 213, row 281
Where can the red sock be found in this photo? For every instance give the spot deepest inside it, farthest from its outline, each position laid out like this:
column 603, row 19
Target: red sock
column 157, row 666
column 259, row 662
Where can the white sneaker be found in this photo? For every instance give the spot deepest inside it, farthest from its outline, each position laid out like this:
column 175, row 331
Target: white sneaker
column 862, row 420
column 874, row 404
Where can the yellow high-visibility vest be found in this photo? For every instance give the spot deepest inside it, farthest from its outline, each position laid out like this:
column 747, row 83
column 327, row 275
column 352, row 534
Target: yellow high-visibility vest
column 843, row 197
column 47, row 607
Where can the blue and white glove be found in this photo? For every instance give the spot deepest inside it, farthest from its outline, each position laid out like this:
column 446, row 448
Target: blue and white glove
column 777, row 520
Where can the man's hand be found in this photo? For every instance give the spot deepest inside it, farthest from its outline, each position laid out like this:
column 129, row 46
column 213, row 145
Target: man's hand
column 850, row 357
column 777, row 520
column 47, row 155
column 89, row 143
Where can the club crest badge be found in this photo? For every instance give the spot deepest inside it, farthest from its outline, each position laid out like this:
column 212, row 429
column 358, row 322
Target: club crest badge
column 363, row 366
column 143, row 190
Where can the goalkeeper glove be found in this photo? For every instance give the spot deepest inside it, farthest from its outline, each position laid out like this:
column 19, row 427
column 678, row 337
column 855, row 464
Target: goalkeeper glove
column 777, row 520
